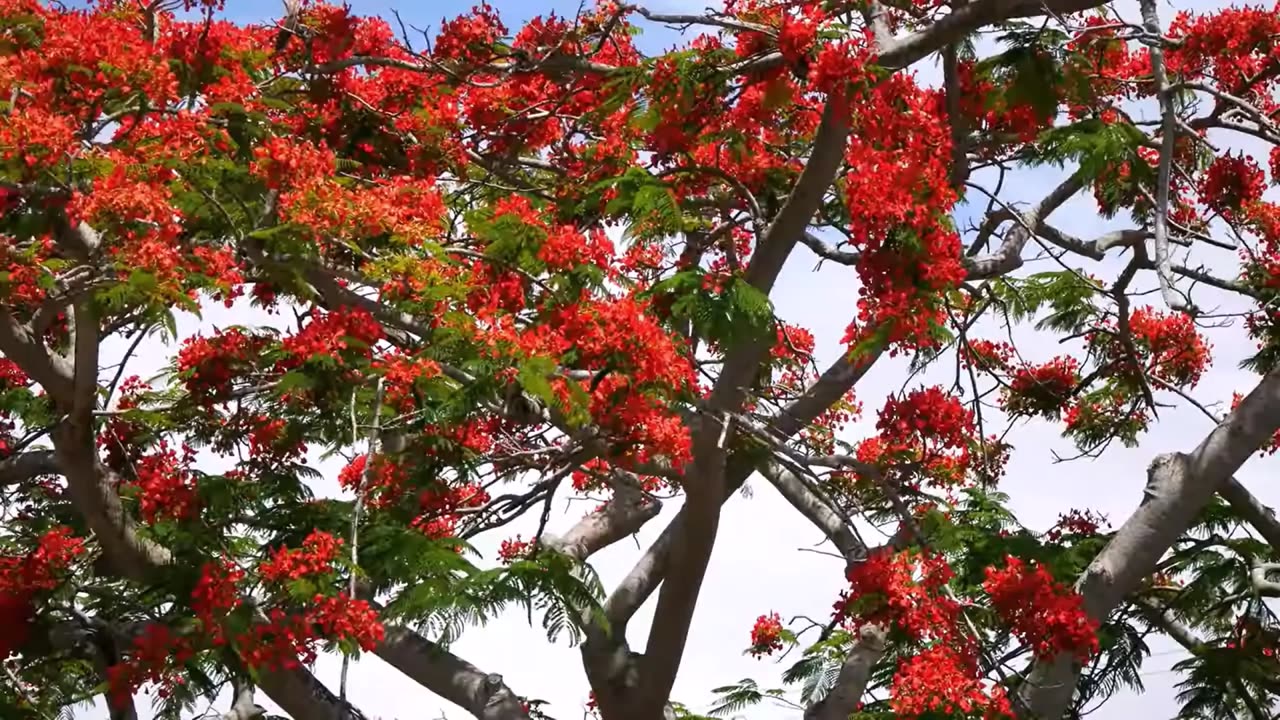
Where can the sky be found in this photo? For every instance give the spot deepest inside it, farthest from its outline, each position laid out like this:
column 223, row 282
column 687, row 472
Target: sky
column 760, row 563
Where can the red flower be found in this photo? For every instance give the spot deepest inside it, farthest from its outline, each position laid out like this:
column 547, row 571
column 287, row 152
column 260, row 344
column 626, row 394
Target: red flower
column 766, row 635
column 1046, row 615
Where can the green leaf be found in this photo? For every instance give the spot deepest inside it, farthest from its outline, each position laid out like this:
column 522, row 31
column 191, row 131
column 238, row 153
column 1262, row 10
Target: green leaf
column 533, row 377
column 295, row 380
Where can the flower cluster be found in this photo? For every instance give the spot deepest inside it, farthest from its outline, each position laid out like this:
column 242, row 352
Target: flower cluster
column 514, row 549
column 165, row 484
column 315, row 557
column 1047, row 616
column 1077, row 523
column 333, row 336
column 1042, row 389
column 902, row 590
column 23, row 577
column 943, row 681
column 216, row 595
column 926, row 426
column 1231, row 183
column 898, row 189
column 209, row 365
column 766, row 635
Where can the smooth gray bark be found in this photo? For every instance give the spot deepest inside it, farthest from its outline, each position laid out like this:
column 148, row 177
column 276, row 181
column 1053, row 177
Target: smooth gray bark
column 1178, row 488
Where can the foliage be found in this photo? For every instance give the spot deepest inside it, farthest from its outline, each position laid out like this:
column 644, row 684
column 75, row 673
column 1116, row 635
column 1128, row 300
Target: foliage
column 518, row 266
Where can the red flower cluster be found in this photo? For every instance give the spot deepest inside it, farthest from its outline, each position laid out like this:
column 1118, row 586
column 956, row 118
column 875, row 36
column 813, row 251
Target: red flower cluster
column 898, row 189
column 215, row 595
column 11, row 376
column 209, row 365
column 315, row 557
column 439, row 508
column 1046, row 615
column 1167, row 344
column 1233, row 46
column 1176, row 352
column 514, row 549
column 1083, row 523
column 943, row 681
column 343, row 618
column 766, row 635
column 902, row 590
column 383, row 487
column 166, row 485
column 284, row 163
column 403, row 377
column 987, row 355
column 336, row 336
column 1231, row 183
column 23, row 577
column 990, row 110
column 1042, row 389
column 470, row 38
column 927, row 426
column 289, row 640
column 157, row 656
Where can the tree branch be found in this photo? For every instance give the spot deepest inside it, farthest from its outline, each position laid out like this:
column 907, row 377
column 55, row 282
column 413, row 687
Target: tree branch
column 27, row 465
column 846, row 693
column 1169, row 134
column 1258, row 579
column 622, row 516
column 817, row 511
column 1249, row 507
column 450, row 677
column 50, row 370
column 1178, row 488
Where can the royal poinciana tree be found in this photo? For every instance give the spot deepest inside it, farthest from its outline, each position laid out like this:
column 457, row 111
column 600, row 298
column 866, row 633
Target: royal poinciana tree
column 432, row 221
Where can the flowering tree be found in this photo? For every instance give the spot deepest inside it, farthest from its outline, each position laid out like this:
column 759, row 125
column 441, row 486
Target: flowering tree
column 431, row 224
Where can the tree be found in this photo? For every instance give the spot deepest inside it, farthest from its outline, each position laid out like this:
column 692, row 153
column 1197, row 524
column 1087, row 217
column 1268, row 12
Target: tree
column 505, row 268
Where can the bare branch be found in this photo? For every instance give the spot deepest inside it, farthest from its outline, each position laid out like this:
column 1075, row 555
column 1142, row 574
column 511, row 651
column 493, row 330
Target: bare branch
column 27, row 465
column 50, row 370
column 1162, row 618
column 622, row 516
column 1169, row 135
column 1258, row 579
column 817, row 511
column 1262, row 518
column 243, row 707
column 452, row 678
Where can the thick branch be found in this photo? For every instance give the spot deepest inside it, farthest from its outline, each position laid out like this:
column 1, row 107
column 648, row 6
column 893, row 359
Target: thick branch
column 1248, row 506
column 619, row 518
column 450, row 677
column 27, row 465
column 967, row 18
column 1258, row 578
column 1162, row 618
column 1178, row 488
column 243, row 707
column 50, row 370
column 92, row 487
column 682, row 585
column 846, row 693
column 789, row 226
column 301, row 695
column 817, row 511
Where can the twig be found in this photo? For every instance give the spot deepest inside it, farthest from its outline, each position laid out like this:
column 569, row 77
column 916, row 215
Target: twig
column 1169, row 132
column 355, row 522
